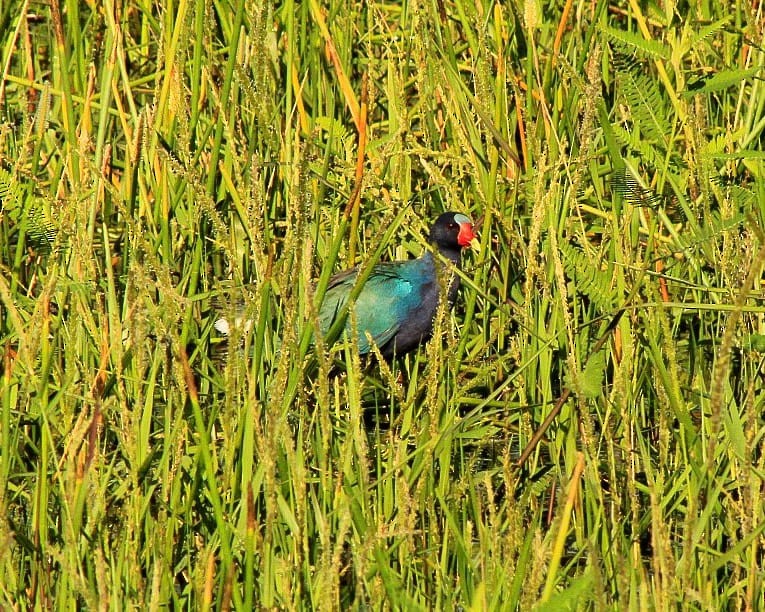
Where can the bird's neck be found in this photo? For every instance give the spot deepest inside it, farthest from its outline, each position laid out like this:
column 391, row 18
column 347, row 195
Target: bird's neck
column 444, row 272
column 452, row 255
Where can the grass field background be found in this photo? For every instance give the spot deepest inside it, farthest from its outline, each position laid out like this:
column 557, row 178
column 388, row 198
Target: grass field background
column 161, row 162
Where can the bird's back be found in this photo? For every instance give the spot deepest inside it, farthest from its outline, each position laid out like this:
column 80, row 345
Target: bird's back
column 396, row 306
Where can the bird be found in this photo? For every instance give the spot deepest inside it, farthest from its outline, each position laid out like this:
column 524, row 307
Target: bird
column 398, row 302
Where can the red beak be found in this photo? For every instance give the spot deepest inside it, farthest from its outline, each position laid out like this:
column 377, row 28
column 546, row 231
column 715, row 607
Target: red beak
column 466, row 234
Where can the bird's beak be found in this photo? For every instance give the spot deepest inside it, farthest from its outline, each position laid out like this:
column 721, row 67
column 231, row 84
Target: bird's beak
column 466, row 235
column 475, row 244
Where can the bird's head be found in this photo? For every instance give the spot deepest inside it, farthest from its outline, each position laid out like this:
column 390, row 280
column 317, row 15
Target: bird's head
column 452, row 231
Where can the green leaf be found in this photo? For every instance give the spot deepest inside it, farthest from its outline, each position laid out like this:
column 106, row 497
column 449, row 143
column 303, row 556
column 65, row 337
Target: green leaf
column 577, row 593
column 591, row 379
column 720, row 81
column 756, row 343
column 745, row 154
column 734, row 427
column 593, row 376
column 589, row 276
column 647, row 105
column 633, row 42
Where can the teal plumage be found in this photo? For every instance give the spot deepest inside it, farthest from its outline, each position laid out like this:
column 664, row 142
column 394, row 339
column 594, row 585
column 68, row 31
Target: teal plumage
column 399, row 299
column 392, row 296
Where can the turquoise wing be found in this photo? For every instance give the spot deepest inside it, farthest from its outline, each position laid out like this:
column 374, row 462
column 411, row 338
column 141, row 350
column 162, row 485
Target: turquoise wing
column 380, row 309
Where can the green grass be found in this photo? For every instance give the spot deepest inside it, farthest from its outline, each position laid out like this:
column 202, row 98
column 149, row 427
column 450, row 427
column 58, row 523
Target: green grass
column 161, row 161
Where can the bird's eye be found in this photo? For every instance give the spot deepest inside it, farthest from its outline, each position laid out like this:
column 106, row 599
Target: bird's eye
column 452, row 226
